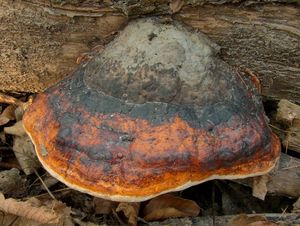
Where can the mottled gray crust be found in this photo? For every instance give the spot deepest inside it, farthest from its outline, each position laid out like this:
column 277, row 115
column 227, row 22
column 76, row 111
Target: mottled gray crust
column 151, row 61
column 156, row 69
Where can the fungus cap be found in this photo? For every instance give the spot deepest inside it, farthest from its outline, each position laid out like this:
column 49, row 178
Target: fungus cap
column 157, row 111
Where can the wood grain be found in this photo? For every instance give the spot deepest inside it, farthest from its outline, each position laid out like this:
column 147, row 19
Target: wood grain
column 40, row 40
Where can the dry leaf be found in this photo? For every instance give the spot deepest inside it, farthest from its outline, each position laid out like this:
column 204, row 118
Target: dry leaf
column 10, row 100
column 7, row 115
column 244, row 220
column 130, row 211
column 11, row 182
column 12, row 220
column 259, row 188
column 49, row 181
column 34, row 210
column 103, row 206
column 176, row 5
column 166, row 206
column 19, row 112
column 25, row 154
column 8, row 219
column 2, row 137
column 82, row 223
column 296, row 206
column 17, row 129
column 23, row 148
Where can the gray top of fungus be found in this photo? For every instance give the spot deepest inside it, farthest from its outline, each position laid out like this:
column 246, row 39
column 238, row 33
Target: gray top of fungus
column 155, row 61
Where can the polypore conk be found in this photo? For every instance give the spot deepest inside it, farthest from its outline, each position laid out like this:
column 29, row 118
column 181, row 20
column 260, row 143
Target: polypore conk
column 156, row 111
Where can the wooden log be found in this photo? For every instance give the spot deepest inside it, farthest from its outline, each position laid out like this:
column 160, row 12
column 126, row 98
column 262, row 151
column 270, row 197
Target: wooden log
column 40, row 40
column 284, row 179
column 288, row 119
column 264, row 39
column 39, row 47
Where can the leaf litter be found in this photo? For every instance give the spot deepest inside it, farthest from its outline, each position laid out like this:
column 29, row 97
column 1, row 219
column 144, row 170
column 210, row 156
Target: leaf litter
column 50, row 212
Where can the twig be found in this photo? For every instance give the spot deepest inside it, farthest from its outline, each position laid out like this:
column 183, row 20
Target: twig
column 45, row 186
column 291, row 167
column 115, row 214
column 275, row 127
column 56, row 191
column 213, row 204
column 10, row 100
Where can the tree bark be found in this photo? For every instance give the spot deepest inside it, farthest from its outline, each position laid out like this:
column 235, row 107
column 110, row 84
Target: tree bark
column 40, row 40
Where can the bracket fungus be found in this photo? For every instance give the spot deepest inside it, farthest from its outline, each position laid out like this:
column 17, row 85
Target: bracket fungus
column 156, row 111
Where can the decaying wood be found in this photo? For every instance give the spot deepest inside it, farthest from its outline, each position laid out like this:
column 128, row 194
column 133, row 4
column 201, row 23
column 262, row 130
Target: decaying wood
column 264, row 39
column 39, row 46
column 129, row 8
column 288, row 119
column 284, row 180
column 40, row 41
